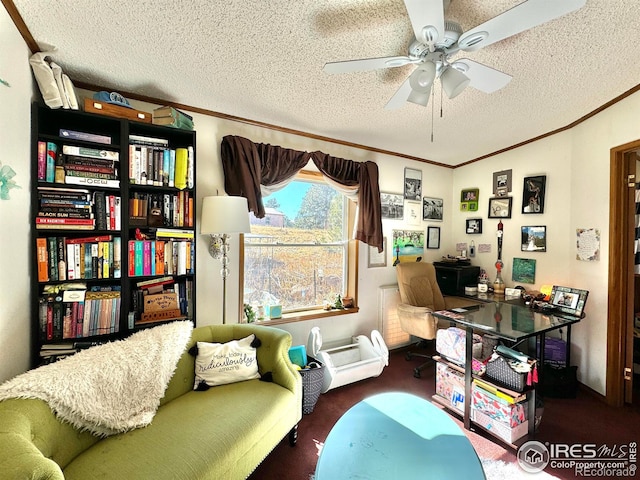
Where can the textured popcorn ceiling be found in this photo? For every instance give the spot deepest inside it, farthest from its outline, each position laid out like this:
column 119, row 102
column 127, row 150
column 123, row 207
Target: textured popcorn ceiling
column 262, row 60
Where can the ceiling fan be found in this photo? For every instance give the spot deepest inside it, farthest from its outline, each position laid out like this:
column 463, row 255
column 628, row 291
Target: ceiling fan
column 437, row 41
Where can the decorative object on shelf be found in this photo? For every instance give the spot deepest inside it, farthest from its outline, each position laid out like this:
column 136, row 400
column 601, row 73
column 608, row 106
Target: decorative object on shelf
column 391, row 206
column 432, row 208
column 500, row 207
column 249, row 314
column 502, row 183
column 412, row 184
column 524, row 270
column 221, row 216
column 474, row 226
column 533, row 194
column 498, row 284
column 6, row 181
column 469, row 200
column 534, row 239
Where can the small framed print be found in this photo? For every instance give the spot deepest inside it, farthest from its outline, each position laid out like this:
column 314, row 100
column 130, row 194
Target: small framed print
column 502, row 183
column 500, row 207
column 432, row 208
column 412, row 184
column 469, row 199
column 474, row 226
column 534, row 239
column 378, row 259
column 433, row 237
column 533, row 194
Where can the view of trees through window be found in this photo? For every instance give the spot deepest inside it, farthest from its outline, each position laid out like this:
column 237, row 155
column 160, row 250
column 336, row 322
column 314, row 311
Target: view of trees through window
column 296, row 255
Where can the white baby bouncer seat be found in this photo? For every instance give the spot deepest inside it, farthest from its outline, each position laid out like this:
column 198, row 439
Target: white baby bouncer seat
column 354, row 360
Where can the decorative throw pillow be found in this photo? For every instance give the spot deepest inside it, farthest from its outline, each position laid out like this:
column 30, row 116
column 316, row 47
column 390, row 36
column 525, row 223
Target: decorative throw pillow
column 222, row 363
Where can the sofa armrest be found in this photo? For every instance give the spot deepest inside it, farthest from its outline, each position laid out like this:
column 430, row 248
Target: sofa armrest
column 19, row 456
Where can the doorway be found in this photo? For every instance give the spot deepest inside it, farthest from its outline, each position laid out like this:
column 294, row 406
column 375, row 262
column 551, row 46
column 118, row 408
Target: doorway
column 620, row 312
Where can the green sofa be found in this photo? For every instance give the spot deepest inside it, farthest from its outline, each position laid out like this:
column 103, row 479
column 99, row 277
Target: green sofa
column 222, row 433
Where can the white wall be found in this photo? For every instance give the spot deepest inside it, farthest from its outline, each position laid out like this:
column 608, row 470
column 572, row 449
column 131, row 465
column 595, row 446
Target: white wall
column 15, row 146
column 577, row 165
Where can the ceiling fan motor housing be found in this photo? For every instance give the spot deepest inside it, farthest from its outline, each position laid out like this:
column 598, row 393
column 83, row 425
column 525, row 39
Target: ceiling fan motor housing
column 452, row 32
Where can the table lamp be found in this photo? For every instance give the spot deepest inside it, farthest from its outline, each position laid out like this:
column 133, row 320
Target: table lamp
column 222, row 216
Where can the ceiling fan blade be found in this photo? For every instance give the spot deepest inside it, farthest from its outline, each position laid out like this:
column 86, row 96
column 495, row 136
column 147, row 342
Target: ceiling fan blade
column 426, row 13
column 400, row 97
column 366, row 64
column 483, row 78
column 518, row 19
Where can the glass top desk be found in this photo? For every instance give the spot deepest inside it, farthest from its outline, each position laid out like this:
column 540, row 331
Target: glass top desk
column 510, row 320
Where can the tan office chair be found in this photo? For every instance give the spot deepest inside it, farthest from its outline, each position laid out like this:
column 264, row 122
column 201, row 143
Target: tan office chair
column 419, row 296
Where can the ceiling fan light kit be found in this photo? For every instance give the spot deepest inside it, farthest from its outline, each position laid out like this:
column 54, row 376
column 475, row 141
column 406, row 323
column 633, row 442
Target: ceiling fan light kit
column 454, row 82
column 438, row 40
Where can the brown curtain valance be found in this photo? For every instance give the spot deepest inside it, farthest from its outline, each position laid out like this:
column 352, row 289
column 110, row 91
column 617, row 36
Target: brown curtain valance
column 247, row 165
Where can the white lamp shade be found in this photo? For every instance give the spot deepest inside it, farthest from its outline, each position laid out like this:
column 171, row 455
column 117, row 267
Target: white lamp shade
column 422, row 77
column 223, row 214
column 454, row 82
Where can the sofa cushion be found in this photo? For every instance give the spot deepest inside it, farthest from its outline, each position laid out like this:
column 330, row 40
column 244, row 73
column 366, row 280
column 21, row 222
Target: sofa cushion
column 222, row 363
column 200, row 435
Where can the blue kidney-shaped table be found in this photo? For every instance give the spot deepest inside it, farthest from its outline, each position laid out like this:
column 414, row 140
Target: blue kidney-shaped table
column 397, row 435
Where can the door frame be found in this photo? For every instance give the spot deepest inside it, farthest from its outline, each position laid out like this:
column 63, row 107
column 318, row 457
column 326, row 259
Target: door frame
column 621, row 278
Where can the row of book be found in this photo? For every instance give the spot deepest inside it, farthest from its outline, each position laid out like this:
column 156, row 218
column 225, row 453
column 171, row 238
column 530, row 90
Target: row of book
column 153, row 162
column 161, row 257
column 161, row 209
column 62, row 258
column 78, row 165
column 74, row 312
column 77, row 209
column 172, row 117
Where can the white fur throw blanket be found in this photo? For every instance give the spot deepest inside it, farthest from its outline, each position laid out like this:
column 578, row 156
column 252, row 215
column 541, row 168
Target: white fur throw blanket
column 109, row 388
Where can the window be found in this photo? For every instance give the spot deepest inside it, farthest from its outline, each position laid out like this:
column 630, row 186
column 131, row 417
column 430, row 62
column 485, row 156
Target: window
column 299, row 254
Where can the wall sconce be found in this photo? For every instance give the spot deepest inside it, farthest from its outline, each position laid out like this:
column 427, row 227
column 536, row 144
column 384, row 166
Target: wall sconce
column 221, row 216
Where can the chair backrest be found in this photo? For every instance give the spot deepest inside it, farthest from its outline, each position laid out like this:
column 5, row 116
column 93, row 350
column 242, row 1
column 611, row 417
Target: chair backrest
column 418, row 285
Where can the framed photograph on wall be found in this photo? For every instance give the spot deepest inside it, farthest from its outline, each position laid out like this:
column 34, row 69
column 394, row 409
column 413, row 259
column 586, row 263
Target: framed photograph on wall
column 474, row 226
column 433, row 237
column 412, row 217
column 412, row 184
column 378, row 259
column 502, row 183
column 500, row 207
column 524, row 270
column 392, row 206
column 533, row 194
column 432, row 208
column 469, row 199
column 534, row 239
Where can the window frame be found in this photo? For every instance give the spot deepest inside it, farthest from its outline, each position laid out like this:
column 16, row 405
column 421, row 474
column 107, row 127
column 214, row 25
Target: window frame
column 351, row 274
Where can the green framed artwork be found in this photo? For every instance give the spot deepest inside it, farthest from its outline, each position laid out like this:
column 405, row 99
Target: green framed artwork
column 469, row 199
column 524, row 270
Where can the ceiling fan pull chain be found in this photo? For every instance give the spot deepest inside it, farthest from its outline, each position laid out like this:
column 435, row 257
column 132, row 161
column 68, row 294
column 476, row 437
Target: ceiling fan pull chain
column 432, row 109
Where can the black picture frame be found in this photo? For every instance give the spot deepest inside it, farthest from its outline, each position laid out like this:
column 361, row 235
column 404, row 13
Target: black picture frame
column 432, row 209
column 392, row 206
column 500, row 207
column 533, row 238
column 533, row 191
column 433, row 238
column 473, row 226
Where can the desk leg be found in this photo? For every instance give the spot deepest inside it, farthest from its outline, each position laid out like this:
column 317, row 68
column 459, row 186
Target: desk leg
column 541, row 365
column 467, row 377
column 567, row 351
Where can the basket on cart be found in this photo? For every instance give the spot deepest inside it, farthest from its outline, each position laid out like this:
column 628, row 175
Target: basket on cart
column 511, row 373
column 312, row 378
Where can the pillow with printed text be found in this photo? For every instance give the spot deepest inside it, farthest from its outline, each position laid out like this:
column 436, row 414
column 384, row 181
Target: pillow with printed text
column 222, row 363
